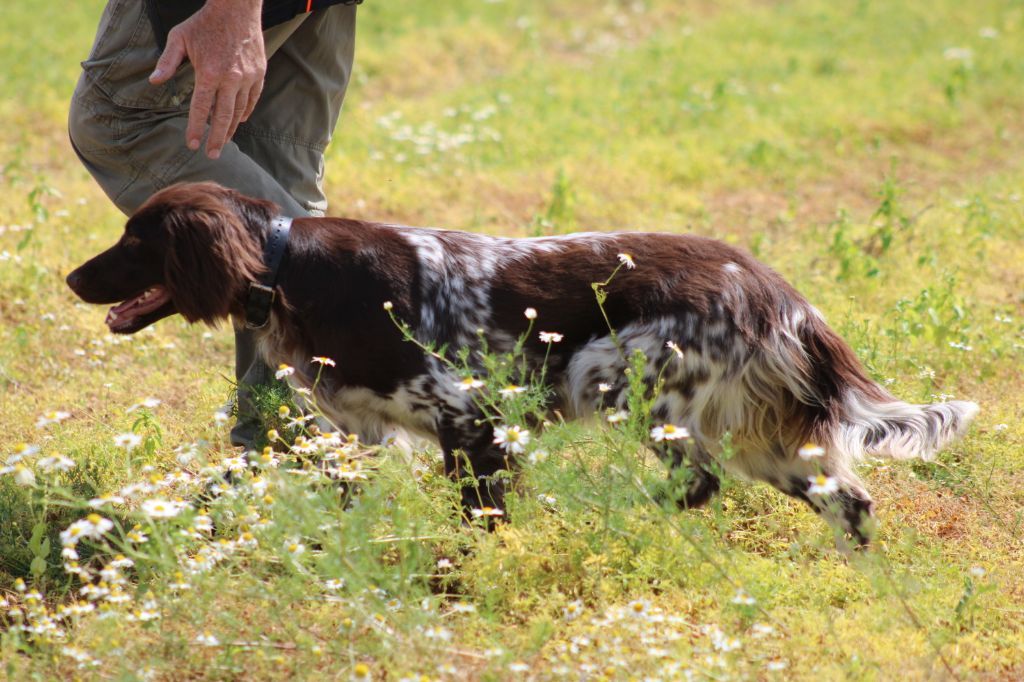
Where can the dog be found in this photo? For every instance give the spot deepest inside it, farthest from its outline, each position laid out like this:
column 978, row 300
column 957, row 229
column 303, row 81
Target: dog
column 749, row 357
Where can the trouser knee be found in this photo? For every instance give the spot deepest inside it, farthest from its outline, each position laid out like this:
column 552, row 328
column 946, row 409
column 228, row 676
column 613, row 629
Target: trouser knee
column 93, row 141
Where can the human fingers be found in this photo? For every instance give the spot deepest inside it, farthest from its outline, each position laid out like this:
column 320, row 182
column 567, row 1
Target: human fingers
column 170, row 59
column 241, row 101
column 254, row 97
column 221, row 119
column 198, row 113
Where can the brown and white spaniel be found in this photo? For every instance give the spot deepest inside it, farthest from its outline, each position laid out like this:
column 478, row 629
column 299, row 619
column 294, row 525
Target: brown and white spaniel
column 758, row 361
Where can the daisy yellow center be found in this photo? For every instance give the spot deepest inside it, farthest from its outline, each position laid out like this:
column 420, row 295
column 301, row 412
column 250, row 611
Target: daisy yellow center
column 669, row 428
column 821, row 480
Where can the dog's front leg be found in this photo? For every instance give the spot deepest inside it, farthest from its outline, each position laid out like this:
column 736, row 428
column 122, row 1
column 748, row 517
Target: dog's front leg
column 472, row 459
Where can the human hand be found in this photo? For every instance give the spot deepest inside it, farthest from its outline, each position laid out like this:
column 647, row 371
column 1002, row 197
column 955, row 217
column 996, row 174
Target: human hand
column 224, row 42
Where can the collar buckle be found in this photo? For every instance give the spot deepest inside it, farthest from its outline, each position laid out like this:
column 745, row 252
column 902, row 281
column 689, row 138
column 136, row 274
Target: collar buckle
column 257, row 305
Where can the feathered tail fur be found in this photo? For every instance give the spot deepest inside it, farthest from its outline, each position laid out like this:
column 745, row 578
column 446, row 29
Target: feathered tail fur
column 862, row 418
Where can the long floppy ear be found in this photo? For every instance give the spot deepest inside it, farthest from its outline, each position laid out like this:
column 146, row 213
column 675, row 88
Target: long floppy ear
column 211, row 257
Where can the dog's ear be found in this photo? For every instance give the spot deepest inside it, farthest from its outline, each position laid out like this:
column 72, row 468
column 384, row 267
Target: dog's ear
column 211, row 257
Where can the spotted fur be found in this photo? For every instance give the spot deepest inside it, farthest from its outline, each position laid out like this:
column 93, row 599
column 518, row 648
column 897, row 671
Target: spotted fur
column 759, row 362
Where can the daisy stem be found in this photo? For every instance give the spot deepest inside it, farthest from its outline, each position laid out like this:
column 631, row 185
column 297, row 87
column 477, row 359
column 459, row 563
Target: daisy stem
column 602, row 296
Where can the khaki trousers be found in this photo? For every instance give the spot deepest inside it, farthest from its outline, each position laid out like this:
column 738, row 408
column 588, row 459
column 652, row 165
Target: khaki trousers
column 131, row 135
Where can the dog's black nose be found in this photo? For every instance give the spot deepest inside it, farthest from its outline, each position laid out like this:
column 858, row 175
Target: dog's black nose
column 74, row 279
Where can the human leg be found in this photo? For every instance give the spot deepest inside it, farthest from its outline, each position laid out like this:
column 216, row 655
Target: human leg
column 303, row 92
column 287, row 135
column 130, row 134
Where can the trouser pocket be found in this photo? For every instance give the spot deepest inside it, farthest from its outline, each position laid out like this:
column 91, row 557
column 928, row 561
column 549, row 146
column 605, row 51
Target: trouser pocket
column 124, row 55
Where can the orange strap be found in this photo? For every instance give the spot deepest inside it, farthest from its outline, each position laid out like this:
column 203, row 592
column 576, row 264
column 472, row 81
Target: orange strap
column 309, row 5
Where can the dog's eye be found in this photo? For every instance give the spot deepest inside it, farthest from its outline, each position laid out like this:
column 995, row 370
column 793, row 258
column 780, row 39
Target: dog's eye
column 131, row 241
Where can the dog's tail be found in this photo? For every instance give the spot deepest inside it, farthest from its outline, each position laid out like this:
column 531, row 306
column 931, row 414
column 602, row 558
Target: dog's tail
column 861, row 418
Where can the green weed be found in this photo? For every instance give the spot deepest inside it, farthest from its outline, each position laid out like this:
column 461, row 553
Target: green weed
column 350, row 560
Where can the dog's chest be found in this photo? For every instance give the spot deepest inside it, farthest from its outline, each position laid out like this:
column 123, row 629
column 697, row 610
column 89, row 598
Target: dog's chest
column 372, row 415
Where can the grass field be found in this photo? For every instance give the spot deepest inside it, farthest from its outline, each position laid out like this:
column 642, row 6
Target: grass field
column 873, row 153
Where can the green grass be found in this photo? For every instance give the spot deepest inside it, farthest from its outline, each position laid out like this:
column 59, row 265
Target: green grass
column 870, row 152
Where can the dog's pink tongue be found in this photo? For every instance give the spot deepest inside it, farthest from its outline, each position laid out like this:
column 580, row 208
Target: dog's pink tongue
column 114, row 313
column 147, row 301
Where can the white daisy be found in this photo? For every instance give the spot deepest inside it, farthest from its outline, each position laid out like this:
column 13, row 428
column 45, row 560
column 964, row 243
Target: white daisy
column 512, row 439
column 206, row 639
column 617, row 417
column 21, row 451
column 811, row 451
column 572, row 610
column 24, row 476
column 105, row 499
column 468, row 384
column 669, row 432
column 56, row 463
column 743, row 598
column 486, row 511
column 161, row 509
column 55, row 417
column 822, row 485
column 148, row 403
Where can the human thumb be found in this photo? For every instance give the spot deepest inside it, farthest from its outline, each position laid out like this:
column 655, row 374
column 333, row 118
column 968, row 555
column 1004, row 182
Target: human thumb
column 170, row 60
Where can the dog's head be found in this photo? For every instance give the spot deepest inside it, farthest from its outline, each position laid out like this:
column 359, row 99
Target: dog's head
column 191, row 249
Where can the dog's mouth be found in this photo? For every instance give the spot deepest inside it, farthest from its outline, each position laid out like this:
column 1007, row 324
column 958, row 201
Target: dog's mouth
column 140, row 310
